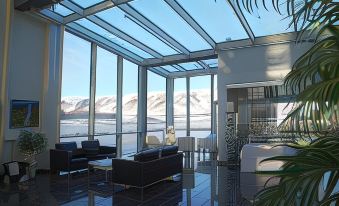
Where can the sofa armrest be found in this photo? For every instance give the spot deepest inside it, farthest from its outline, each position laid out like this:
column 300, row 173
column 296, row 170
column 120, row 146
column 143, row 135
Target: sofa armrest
column 127, row 172
column 60, row 160
column 107, row 150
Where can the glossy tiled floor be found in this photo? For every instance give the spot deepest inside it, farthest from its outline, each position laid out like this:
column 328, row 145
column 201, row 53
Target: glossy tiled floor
column 206, row 184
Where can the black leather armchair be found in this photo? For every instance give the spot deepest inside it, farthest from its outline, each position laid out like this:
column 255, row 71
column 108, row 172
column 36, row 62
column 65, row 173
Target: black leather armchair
column 67, row 157
column 93, row 150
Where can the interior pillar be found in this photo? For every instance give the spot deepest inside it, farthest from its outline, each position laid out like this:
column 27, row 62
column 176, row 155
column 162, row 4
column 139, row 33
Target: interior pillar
column 118, row 115
column 212, row 104
column 222, row 109
column 91, row 118
column 51, row 91
column 169, row 102
column 142, row 107
column 6, row 8
column 188, row 107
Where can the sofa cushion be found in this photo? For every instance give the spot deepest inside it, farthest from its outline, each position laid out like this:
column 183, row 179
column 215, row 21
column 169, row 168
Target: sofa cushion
column 67, row 146
column 90, row 147
column 169, row 150
column 147, row 155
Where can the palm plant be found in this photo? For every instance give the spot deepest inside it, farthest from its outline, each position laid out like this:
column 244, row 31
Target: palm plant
column 314, row 79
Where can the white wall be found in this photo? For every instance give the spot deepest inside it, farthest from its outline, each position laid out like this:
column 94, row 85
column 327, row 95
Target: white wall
column 33, row 74
column 248, row 65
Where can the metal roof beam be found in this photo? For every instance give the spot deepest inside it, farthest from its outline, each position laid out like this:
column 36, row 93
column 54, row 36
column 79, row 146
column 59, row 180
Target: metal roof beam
column 91, row 10
column 178, row 67
column 187, row 17
column 103, row 42
column 192, row 73
column 123, row 36
column 242, row 19
column 52, row 15
column 203, row 64
column 227, row 45
column 136, row 15
column 181, row 58
column 159, row 71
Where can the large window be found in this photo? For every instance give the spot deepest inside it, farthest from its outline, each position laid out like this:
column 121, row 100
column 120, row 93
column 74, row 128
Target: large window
column 105, row 100
column 180, row 102
column 156, row 105
column 129, row 107
column 200, row 106
column 75, row 87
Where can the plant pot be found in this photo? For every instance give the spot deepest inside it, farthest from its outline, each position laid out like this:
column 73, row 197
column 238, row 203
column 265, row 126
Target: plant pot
column 31, row 169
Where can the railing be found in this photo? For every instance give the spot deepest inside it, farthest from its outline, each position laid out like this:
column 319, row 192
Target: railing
column 129, row 142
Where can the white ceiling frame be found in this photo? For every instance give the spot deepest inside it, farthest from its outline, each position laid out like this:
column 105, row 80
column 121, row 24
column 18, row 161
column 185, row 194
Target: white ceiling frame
column 228, row 45
column 242, row 19
column 187, row 17
column 136, row 15
column 91, row 10
column 158, row 72
column 123, row 35
column 192, row 73
column 101, row 41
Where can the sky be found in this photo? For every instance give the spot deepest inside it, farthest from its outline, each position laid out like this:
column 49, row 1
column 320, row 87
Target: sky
column 222, row 26
column 76, row 72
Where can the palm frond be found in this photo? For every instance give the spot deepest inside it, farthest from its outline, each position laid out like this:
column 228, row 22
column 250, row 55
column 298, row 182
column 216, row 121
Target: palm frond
column 302, row 176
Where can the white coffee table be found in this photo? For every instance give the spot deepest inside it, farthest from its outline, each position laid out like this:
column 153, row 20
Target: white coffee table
column 104, row 164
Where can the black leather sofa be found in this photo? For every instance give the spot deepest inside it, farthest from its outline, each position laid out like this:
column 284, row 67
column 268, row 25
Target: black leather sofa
column 148, row 167
column 67, row 157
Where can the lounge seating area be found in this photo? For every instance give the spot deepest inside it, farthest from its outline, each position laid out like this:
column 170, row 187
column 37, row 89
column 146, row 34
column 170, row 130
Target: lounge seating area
column 169, row 102
column 67, row 157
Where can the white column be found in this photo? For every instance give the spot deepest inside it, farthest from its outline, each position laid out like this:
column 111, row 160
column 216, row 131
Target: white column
column 142, row 107
column 50, row 106
column 91, row 117
column 212, row 103
column 188, row 107
column 222, row 109
column 6, row 8
column 118, row 115
column 169, row 102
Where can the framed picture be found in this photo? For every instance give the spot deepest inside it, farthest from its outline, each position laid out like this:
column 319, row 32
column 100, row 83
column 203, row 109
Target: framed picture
column 24, row 113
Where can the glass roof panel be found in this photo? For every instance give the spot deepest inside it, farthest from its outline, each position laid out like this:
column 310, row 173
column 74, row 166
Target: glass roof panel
column 61, row 10
column 117, row 18
column 169, row 21
column 169, row 68
column 266, row 22
column 190, row 65
column 87, row 3
column 222, row 26
column 211, row 62
column 102, row 32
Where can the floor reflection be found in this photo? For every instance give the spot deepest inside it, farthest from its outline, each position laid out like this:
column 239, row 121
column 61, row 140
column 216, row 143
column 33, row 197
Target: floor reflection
column 202, row 182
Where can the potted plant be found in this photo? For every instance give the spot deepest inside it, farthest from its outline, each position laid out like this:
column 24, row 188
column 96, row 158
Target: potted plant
column 30, row 144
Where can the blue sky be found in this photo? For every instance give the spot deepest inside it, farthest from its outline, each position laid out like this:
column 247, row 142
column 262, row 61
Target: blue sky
column 222, row 25
column 76, row 76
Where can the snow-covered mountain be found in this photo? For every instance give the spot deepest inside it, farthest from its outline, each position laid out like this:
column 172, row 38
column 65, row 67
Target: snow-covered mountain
column 156, row 101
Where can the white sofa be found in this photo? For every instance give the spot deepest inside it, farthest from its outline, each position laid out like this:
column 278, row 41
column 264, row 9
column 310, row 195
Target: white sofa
column 252, row 154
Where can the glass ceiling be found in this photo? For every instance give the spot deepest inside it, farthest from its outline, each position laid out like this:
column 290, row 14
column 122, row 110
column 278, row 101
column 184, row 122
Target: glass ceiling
column 167, row 30
column 87, row 3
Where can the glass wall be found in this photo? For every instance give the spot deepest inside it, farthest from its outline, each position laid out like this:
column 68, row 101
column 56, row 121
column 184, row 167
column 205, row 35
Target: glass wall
column 105, row 100
column 129, row 107
column 200, row 106
column 156, row 106
column 75, row 87
column 75, row 95
column 180, row 102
